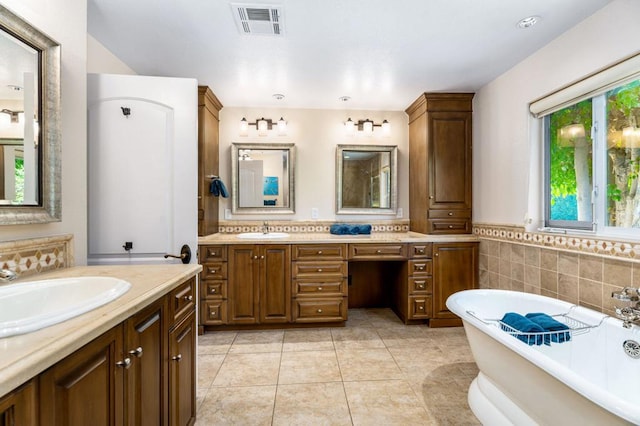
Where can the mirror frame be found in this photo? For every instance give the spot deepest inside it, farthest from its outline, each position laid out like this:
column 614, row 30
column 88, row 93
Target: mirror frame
column 235, row 178
column 49, row 204
column 393, row 206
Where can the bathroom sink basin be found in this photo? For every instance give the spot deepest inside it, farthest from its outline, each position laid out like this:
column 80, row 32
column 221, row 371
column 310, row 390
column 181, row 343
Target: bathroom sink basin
column 262, row 236
column 30, row 306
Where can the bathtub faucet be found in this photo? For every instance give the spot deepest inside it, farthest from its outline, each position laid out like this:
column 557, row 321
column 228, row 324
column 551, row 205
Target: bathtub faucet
column 627, row 305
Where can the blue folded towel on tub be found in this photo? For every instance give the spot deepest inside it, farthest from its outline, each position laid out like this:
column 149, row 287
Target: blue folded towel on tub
column 549, row 324
column 524, row 326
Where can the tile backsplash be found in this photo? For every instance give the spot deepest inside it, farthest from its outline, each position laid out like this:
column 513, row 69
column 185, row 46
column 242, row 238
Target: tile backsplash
column 294, row 227
column 580, row 270
column 36, row 255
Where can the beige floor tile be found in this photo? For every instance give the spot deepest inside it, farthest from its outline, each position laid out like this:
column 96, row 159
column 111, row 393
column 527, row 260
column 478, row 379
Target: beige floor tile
column 368, row 364
column 208, row 366
column 216, row 342
column 418, row 360
column 257, row 342
column 311, row 404
column 309, row 367
column 246, row 405
column 307, row 340
column 249, row 370
column 390, row 402
column 356, row 338
column 405, row 337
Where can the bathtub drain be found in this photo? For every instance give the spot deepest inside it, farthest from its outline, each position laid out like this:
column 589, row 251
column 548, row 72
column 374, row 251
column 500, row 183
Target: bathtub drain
column 632, row 348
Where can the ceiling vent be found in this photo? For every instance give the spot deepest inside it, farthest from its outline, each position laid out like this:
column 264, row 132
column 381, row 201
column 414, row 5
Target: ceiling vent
column 258, row 19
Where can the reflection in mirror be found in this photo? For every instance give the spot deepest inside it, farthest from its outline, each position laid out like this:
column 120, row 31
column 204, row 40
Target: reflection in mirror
column 263, row 178
column 366, row 179
column 29, row 123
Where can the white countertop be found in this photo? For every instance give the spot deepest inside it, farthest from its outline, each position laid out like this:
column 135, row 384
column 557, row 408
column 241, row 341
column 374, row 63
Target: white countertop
column 320, row 237
column 25, row 356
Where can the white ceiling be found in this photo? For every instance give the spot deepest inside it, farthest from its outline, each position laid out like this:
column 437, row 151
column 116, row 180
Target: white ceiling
column 381, row 53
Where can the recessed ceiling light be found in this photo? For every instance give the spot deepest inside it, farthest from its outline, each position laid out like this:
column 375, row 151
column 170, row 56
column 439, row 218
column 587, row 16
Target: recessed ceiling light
column 344, row 98
column 278, row 96
column 528, row 22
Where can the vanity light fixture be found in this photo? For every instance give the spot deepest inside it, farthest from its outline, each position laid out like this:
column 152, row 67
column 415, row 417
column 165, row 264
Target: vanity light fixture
column 366, row 126
column 263, row 125
column 9, row 116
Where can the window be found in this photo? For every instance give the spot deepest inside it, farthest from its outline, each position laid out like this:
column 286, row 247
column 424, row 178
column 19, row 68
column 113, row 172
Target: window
column 592, row 163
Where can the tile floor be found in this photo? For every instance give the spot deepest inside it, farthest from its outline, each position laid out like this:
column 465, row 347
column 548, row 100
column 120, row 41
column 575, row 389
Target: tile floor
column 374, row 371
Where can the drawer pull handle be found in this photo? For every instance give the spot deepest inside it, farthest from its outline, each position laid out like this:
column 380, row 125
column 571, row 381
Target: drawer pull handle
column 213, row 290
column 450, row 213
column 431, row 197
column 137, row 352
column 214, row 254
column 319, row 251
column 421, row 286
column 420, row 251
column 125, row 363
column 212, row 271
column 450, row 226
column 188, row 298
column 319, row 311
column 420, row 267
column 177, row 357
column 319, row 269
column 421, row 308
column 378, row 251
column 319, row 288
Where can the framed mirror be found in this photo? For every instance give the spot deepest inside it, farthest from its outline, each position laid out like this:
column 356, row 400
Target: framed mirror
column 262, row 178
column 29, row 123
column 366, row 179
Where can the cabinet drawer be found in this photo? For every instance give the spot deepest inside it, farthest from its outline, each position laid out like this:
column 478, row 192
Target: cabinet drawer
column 449, row 214
column 420, row 307
column 182, row 300
column 214, row 271
column 213, row 289
column 443, row 226
column 377, row 251
column 420, row 250
column 212, row 253
column 420, row 285
column 420, row 267
column 320, row 251
column 320, row 310
column 213, row 312
column 319, row 268
column 320, row 287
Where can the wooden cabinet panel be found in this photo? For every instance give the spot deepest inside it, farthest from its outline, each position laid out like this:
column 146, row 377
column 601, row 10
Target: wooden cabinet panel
column 319, row 268
column 377, row 251
column 182, row 300
column 455, row 268
column 420, row 267
column 438, row 226
column 182, row 372
column 213, row 288
column 419, row 285
column 214, row 271
column 243, row 287
column 213, row 312
column 320, row 287
column 420, row 307
column 215, row 253
column 208, row 159
column 320, row 310
column 319, row 251
column 86, row 388
column 420, row 251
column 20, row 407
column 145, row 345
column 275, row 284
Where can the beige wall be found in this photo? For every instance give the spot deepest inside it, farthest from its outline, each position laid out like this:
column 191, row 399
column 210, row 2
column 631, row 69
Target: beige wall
column 65, row 22
column 316, row 133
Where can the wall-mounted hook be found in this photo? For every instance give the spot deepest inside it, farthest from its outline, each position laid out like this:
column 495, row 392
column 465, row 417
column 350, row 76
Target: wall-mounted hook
column 128, row 245
column 126, row 111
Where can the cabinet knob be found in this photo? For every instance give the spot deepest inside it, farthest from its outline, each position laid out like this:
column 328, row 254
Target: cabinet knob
column 212, row 271
column 450, row 213
column 431, row 197
column 421, row 308
column 450, row 226
column 319, row 311
column 319, row 251
column 420, row 251
column 262, row 257
column 420, row 267
column 214, row 313
column 319, row 269
column 319, row 288
column 213, row 290
column 255, row 257
column 421, row 286
column 188, row 298
column 137, row 352
column 177, row 357
column 125, row 363
column 437, row 254
column 378, row 251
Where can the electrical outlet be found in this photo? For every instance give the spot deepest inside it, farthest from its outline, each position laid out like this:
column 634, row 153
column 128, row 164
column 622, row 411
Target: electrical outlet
column 399, row 213
column 227, row 214
column 314, row 213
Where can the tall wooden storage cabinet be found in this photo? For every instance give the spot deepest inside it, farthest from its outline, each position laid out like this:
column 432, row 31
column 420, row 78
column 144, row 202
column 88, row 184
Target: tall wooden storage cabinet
column 208, row 159
column 440, row 163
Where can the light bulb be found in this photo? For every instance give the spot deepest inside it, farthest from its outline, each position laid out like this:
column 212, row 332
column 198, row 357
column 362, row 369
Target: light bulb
column 282, row 127
column 349, row 127
column 244, row 127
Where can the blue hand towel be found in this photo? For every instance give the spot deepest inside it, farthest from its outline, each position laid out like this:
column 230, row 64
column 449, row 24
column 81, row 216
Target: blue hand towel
column 523, row 325
column 549, row 324
column 217, row 188
column 347, row 229
column 339, row 229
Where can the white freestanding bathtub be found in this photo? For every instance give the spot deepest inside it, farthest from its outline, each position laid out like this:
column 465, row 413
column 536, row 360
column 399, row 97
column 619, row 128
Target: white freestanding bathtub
column 588, row 380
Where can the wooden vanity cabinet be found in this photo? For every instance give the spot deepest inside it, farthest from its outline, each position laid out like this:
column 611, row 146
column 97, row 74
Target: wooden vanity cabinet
column 213, row 286
column 20, row 406
column 440, row 163
column 259, row 283
column 455, row 268
column 319, row 283
column 140, row 372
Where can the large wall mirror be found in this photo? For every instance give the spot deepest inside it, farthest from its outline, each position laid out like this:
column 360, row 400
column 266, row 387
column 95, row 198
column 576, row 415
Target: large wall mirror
column 29, row 123
column 263, row 178
column 366, row 179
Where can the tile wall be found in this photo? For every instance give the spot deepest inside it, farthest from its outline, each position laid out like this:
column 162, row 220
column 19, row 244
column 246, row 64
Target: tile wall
column 579, row 270
column 293, row 227
column 37, row 255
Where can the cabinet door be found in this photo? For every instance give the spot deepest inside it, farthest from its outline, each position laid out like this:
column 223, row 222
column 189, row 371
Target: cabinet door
column 449, row 160
column 275, row 283
column 86, row 388
column 20, row 407
column 182, row 372
column 455, row 268
column 145, row 387
column 242, row 288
